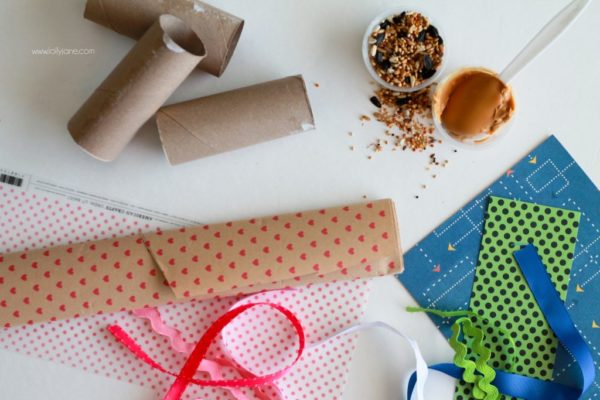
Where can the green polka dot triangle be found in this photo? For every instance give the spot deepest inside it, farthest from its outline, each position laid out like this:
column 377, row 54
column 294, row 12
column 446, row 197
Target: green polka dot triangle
column 516, row 332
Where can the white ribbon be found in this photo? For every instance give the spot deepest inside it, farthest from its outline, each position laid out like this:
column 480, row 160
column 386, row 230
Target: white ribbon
column 421, row 365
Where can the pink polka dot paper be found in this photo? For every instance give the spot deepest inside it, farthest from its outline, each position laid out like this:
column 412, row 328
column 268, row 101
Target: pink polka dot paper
column 260, row 340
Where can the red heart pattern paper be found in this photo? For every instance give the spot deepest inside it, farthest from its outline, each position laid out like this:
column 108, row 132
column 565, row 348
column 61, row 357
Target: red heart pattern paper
column 213, row 260
column 329, row 244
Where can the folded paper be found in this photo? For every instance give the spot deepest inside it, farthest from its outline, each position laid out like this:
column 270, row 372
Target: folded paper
column 231, row 120
column 548, row 175
column 218, row 30
column 213, row 260
column 136, row 88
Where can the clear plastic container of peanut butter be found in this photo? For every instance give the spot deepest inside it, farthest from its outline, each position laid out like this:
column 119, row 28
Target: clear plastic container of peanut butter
column 473, row 106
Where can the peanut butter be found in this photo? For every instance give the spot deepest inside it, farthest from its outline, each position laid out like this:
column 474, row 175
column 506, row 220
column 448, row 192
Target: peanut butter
column 473, row 103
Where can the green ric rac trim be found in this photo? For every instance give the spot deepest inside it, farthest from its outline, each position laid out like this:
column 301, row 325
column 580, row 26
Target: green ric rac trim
column 477, row 372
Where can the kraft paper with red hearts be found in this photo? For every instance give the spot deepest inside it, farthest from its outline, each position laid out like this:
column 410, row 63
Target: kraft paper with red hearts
column 213, row 260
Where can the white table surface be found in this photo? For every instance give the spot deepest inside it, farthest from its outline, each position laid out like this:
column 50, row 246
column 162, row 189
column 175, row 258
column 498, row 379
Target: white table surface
column 558, row 93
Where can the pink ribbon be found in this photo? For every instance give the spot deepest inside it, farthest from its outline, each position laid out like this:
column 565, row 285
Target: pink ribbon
column 212, row 367
column 185, row 377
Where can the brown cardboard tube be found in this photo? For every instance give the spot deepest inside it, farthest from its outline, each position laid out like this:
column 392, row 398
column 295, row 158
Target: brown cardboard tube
column 231, row 120
column 136, row 88
column 339, row 243
column 218, row 30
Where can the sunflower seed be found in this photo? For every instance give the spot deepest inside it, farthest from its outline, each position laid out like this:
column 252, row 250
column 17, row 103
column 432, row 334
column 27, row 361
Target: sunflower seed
column 432, row 30
column 375, row 101
column 428, row 62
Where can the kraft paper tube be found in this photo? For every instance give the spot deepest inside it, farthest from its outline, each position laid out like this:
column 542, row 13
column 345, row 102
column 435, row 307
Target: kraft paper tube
column 356, row 241
column 231, row 120
column 218, row 30
column 136, row 88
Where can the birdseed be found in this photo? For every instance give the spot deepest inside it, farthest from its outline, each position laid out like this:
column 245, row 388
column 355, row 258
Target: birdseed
column 405, row 49
column 408, row 119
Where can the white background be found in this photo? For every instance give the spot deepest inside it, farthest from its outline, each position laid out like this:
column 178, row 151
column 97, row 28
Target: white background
column 558, row 93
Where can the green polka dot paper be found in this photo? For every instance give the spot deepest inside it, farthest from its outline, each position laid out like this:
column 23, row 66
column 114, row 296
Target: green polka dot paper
column 516, row 332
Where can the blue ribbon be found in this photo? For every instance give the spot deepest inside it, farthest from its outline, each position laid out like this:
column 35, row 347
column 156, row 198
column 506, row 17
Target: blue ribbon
column 559, row 320
column 555, row 312
column 519, row 386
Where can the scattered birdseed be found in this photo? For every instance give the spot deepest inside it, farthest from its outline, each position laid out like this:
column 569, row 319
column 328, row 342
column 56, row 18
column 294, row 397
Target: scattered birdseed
column 350, row 134
column 433, row 160
column 352, row 148
column 377, row 145
column 317, row 84
column 364, row 118
column 405, row 49
column 408, row 119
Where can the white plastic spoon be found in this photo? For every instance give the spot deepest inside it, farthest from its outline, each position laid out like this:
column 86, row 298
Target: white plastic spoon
column 544, row 38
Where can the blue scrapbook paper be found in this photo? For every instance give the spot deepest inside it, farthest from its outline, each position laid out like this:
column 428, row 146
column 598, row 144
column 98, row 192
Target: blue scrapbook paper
column 439, row 270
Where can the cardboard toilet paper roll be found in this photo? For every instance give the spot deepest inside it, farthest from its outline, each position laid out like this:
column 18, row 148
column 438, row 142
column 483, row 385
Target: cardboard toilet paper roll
column 355, row 241
column 136, row 88
column 231, row 120
column 218, row 30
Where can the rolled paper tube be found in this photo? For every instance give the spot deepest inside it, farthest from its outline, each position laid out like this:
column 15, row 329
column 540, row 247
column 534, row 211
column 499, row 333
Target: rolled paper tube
column 136, row 88
column 356, row 241
column 218, row 30
column 231, row 120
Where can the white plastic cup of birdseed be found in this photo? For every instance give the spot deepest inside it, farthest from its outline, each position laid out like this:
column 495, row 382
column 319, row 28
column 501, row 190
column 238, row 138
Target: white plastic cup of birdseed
column 367, row 47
